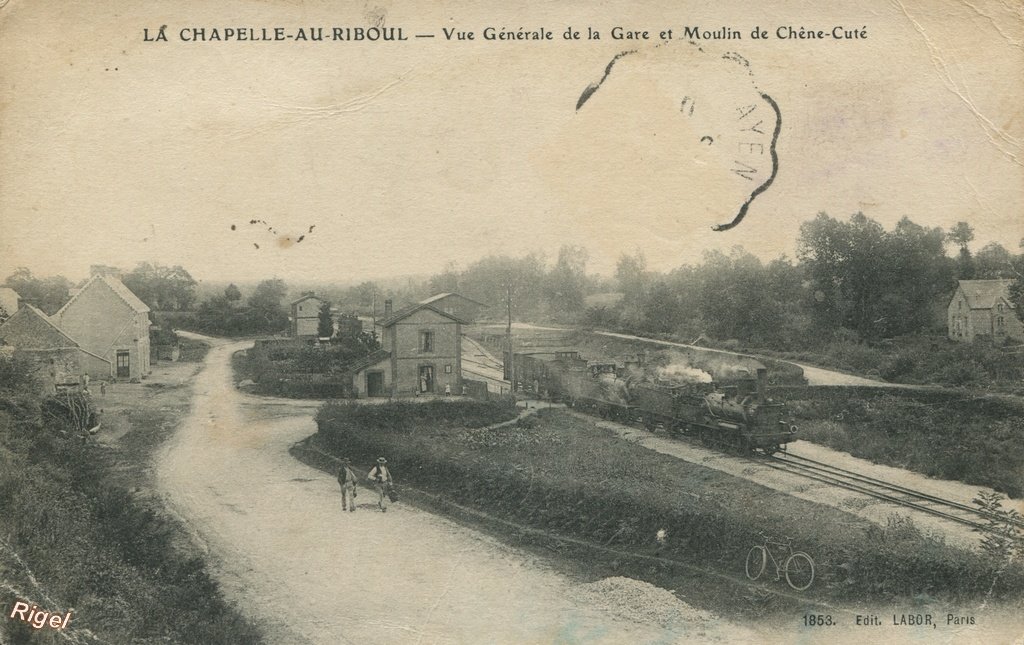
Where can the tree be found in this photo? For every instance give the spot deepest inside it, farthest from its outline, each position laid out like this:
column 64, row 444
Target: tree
column 631, row 274
column 961, row 234
column 734, row 297
column 351, row 342
column 660, row 309
column 488, row 280
column 262, row 313
column 1017, row 286
column 632, row 278
column 447, row 281
column 49, row 294
column 325, row 322
column 874, row 282
column 842, row 260
column 161, row 287
column 993, row 261
column 919, row 274
column 566, row 283
column 266, row 304
column 232, row 293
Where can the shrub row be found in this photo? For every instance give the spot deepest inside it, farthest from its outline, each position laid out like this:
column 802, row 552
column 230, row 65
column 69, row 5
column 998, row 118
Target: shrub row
column 918, row 360
column 304, row 386
column 570, row 477
column 976, row 440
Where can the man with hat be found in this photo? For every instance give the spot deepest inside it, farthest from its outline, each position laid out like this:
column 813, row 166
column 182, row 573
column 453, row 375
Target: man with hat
column 381, row 478
column 347, row 479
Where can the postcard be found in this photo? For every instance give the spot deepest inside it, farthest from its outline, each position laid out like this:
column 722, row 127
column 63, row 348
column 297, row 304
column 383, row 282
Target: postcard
column 465, row 322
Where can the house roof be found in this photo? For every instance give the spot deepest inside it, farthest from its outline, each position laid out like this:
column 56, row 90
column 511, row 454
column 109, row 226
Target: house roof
column 982, row 294
column 405, row 312
column 115, row 285
column 442, row 296
column 29, row 328
column 307, row 296
column 369, row 360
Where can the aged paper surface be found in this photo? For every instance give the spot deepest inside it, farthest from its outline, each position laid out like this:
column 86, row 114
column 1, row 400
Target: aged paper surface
column 322, row 142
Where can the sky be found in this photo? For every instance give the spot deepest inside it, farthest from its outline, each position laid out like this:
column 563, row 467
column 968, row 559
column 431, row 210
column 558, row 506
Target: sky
column 398, row 158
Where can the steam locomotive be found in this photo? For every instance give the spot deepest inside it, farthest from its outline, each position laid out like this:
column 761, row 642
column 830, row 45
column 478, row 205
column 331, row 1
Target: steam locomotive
column 732, row 412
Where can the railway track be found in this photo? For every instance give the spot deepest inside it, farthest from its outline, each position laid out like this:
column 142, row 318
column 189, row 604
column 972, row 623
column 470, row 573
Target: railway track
column 886, row 491
column 891, row 492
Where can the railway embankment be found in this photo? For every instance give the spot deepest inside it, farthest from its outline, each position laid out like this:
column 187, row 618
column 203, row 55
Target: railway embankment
column 566, row 483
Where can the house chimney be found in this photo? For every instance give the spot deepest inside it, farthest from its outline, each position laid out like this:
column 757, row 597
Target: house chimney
column 387, row 308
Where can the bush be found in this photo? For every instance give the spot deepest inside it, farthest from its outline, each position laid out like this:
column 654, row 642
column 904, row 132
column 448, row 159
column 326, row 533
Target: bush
column 940, row 434
column 91, row 544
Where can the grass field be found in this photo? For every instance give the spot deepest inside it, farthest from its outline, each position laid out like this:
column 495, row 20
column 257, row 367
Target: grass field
column 563, row 474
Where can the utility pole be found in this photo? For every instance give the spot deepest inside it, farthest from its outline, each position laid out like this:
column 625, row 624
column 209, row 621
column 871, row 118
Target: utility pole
column 510, row 365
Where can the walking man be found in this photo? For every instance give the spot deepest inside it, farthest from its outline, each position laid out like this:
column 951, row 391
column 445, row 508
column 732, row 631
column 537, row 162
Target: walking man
column 347, row 479
column 381, row 478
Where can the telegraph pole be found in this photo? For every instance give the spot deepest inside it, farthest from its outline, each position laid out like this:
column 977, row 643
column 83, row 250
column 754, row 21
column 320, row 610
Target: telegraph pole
column 508, row 336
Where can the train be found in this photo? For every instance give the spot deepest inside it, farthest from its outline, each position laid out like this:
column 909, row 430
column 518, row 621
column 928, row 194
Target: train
column 733, row 412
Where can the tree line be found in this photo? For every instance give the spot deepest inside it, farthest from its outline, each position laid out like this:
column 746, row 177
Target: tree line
column 851, row 279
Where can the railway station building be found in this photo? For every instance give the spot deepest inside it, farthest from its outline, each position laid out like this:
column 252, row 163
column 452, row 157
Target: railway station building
column 421, row 354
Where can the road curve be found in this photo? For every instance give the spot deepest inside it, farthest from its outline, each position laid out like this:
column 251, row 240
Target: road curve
column 285, row 552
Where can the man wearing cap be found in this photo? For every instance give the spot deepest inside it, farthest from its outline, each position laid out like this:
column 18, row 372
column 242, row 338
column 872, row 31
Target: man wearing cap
column 347, row 479
column 381, row 478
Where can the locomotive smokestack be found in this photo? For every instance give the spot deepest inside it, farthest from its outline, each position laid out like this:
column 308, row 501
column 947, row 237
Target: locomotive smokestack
column 762, row 382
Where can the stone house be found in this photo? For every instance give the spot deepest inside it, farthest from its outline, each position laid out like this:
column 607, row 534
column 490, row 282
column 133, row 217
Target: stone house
column 305, row 316
column 421, row 354
column 106, row 319
column 59, row 360
column 983, row 308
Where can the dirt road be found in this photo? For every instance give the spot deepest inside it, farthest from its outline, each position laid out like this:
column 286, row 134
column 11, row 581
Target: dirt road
column 814, row 375
column 286, row 553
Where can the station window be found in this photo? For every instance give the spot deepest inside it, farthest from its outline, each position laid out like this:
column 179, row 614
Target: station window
column 426, row 341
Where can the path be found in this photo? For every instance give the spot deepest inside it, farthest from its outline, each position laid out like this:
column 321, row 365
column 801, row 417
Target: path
column 814, row 375
column 286, row 553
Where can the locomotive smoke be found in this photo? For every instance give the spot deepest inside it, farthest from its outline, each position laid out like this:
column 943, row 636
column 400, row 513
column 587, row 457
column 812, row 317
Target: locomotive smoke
column 614, row 389
column 685, row 373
